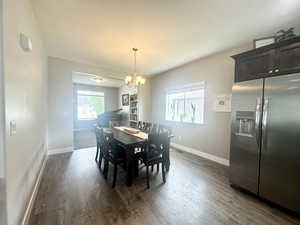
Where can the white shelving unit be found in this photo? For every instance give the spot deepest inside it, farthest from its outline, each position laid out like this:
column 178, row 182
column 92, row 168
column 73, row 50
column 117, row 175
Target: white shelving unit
column 133, row 110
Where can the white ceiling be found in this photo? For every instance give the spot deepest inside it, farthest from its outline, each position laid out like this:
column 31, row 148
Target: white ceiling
column 167, row 32
column 85, row 78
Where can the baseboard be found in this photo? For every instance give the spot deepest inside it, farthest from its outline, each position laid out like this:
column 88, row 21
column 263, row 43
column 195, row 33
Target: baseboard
column 216, row 159
column 60, row 150
column 34, row 192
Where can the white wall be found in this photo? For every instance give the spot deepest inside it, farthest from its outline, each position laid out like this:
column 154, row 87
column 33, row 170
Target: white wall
column 213, row 136
column 25, row 102
column 60, row 115
column 2, row 131
column 2, row 122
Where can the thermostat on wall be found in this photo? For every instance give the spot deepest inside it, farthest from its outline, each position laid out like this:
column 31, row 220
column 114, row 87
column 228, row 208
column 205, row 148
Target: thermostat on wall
column 25, row 43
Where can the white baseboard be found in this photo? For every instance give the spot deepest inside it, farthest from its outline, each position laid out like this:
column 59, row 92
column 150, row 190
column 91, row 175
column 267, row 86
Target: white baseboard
column 60, row 150
column 216, row 159
column 34, row 192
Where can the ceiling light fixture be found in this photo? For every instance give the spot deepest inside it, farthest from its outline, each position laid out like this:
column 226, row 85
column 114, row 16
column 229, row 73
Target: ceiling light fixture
column 135, row 79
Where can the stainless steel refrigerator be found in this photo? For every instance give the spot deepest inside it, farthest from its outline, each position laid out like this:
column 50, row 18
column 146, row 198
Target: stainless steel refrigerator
column 265, row 139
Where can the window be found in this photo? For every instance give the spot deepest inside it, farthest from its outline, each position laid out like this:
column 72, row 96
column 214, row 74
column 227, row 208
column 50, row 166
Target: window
column 186, row 104
column 89, row 104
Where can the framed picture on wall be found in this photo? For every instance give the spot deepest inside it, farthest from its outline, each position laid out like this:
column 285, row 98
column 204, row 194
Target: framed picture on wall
column 125, row 100
column 257, row 43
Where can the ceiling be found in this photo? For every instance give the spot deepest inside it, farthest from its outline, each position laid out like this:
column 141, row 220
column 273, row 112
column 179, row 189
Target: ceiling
column 167, row 32
column 85, row 78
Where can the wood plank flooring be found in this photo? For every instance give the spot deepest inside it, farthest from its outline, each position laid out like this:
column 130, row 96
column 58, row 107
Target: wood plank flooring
column 2, row 201
column 197, row 192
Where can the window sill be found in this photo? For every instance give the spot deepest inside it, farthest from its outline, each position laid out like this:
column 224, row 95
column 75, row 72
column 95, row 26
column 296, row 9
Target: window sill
column 87, row 119
column 185, row 122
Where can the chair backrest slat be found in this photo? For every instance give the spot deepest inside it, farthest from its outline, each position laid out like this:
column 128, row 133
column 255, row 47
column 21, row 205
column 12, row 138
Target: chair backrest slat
column 164, row 129
column 159, row 141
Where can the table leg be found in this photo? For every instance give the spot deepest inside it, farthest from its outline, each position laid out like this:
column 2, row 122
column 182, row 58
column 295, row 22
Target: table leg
column 130, row 165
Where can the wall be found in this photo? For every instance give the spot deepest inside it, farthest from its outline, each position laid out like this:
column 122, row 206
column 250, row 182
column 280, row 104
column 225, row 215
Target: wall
column 144, row 98
column 2, row 130
column 60, row 115
column 213, row 136
column 84, row 136
column 26, row 103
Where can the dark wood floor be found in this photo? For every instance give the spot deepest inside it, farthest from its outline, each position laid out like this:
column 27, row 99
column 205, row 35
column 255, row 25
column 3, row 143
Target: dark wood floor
column 73, row 192
column 2, row 201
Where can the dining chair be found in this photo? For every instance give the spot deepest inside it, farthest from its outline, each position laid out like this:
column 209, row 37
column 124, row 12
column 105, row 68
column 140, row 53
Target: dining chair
column 100, row 150
column 98, row 131
column 154, row 128
column 166, row 129
column 140, row 125
column 115, row 155
column 153, row 154
column 146, row 127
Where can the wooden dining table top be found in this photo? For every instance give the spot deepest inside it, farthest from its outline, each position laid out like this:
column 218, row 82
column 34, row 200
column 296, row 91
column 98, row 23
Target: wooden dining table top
column 124, row 137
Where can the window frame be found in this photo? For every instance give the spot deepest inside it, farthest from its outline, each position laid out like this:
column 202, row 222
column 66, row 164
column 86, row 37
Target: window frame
column 184, row 89
column 88, row 95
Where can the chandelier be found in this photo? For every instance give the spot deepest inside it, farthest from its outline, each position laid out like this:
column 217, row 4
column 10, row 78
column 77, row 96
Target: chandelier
column 135, row 79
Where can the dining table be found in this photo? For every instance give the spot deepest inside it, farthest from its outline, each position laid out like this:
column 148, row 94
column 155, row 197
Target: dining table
column 130, row 140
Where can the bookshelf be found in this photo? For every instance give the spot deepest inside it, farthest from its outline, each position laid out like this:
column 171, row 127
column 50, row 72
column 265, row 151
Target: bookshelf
column 133, row 110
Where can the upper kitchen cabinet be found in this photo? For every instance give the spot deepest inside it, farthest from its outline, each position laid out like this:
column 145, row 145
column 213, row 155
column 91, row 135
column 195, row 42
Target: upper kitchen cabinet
column 272, row 60
column 254, row 66
column 288, row 58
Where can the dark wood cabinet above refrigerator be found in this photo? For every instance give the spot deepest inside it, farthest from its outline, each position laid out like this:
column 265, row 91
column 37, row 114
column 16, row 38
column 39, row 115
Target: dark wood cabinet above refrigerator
column 276, row 59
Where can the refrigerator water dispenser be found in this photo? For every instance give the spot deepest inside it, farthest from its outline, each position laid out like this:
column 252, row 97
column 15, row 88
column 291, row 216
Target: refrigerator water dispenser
column 245, row 123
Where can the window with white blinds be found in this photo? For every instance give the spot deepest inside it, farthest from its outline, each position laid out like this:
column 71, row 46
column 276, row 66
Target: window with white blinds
column 186, row 104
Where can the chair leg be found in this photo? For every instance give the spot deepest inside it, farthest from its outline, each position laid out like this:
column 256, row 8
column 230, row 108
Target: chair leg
column 147, row 174
column 100, row 160
column 152, row 168
column 115, row 175
column 163, row 172
column 105, row 171
column 97, row 153
column 157, row 167
column 167, row 159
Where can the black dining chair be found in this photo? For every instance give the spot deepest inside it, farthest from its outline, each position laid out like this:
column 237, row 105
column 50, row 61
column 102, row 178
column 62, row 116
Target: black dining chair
column 140, row 125
column 154, row 128
column 146, row 127
column 102, row 150
column 153, row 154
column 114, row 154
column 99, row 142
column 166, row 129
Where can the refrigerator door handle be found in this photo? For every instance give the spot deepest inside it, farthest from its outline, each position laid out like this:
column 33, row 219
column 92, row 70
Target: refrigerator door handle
column 265, row 121
column 258, row 120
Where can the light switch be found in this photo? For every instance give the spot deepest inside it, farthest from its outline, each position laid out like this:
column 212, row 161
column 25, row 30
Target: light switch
column 25, row 43
column 13, row 127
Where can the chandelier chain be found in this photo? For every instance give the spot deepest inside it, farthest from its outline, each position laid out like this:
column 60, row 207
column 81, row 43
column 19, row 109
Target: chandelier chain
column 135, row 50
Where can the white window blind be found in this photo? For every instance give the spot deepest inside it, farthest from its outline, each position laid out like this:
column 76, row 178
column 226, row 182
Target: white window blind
column 186, row 104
